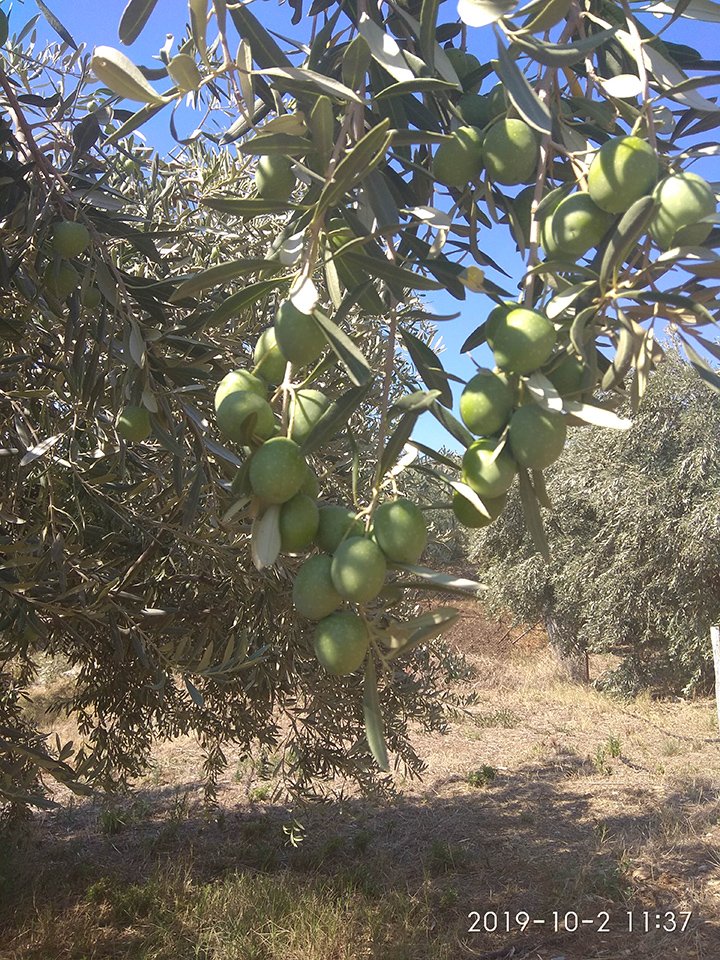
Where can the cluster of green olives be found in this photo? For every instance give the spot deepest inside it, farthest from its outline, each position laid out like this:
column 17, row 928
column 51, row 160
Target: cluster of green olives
column 351, row 565
column 507, row 148
column 351, row 568
column 69, row 240
column 512, row 429
column 624, row 170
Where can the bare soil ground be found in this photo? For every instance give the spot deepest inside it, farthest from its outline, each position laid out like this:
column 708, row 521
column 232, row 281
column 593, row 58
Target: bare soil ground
column 549, row 800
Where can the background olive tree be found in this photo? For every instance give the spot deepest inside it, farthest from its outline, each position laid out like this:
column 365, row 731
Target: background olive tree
column 634, row 543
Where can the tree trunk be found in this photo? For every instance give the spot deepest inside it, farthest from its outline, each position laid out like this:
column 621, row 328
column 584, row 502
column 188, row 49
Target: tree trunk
column 715, row 640
column 572, row 659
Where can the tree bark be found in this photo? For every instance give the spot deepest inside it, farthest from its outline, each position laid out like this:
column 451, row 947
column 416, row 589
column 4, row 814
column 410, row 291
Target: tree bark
column 570, row 657
column 715, row 640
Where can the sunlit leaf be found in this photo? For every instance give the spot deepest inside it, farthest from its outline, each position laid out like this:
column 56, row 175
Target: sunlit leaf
column 346, row 351
column 222, row 273
column 531, row 510
column 39, row 450
column 384, row 49
column 265, row 540
column 121, row 75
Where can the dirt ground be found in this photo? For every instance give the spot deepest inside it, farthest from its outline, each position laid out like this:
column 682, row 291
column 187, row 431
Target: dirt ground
column 553, row 823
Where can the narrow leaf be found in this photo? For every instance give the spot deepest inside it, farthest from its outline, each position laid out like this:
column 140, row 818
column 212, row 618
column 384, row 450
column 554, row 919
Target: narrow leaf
column 561, row 54
column 531, row 509
column 265, row 51
column 479, row 13
column 419, row 400
column 265, row 546
column 231, row 306
column 314, row 82
column 396, row 442
column 597, row 416
column 703, row 369
column 624, row 237
column 365, row 155
column 134, row 17
column 420, row 629
column 469, row 494
column 429, row 367
column 195, row 695
column 39, row 450
column 277, row 143
column 428, row 22
column 391, row 272
column 524, row 98
column 374, row 729
column 222, row 273
column 253, row 207
column 416, row 85
column 134, row 122
column 335, row 418
column 355, row 62
column 345, row 350
column 452, row 425
column 59, row 29
column 432, row 454
column 432, row 580
column 198, row 25
column 384, row 49
column 137, row 344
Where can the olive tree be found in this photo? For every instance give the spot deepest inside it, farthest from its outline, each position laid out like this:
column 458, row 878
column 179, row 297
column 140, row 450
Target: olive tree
column 164, row 453
column 634, row 545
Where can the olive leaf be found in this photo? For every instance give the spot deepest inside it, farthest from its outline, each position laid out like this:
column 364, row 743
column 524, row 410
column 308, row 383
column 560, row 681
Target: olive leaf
column 384, row 49
column 184, row 72
column 524, row 98
column 374, row 727
column 265, row 538
column 134, row 17
column 121, row 75
column 346, row 351
column 531, row 510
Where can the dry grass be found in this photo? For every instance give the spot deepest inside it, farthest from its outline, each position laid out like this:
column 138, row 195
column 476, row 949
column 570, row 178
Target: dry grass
column 548, row 796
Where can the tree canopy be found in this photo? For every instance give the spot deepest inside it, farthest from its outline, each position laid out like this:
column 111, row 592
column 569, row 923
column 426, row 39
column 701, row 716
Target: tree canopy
column 634, row 546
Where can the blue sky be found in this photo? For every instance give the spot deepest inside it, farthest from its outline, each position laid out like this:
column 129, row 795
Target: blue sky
column 95, row 22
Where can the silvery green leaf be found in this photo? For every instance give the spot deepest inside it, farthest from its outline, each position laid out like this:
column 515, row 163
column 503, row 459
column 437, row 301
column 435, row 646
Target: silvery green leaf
column 265, row 546
column 597, row 416
column 543, row 392
column 134, row 17
column 39, row 450
column 120, row 74
column 374, row 727
column 626, row 86
column 384, row 49
column 479, row 13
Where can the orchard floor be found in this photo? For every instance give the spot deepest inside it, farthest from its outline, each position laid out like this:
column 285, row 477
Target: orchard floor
column 549, row 798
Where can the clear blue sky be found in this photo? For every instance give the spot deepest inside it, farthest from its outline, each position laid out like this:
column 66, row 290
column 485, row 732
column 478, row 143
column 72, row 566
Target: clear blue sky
column 95, row 22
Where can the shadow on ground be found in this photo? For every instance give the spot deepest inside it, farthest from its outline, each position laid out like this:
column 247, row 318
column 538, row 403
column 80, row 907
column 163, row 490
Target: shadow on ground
column 522, row 842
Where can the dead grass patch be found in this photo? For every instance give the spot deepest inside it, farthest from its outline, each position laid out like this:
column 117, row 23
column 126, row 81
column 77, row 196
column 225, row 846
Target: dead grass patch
column 593, row 804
